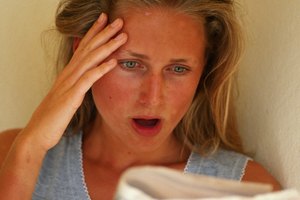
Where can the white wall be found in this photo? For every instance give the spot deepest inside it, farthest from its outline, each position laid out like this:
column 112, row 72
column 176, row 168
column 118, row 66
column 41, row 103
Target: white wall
column 23, row 73
column 269, row 104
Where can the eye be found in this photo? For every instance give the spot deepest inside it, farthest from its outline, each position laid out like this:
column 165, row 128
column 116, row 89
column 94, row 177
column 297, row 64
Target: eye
column 129, row 64
column 178, row 69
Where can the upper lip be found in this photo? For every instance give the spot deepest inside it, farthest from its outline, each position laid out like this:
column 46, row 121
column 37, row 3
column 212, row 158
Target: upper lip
column 147, row 117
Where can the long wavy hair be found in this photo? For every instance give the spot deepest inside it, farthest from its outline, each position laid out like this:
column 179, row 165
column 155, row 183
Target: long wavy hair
column 210, row 121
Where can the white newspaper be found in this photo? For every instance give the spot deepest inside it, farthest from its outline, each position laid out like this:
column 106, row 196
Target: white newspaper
column 149, row 183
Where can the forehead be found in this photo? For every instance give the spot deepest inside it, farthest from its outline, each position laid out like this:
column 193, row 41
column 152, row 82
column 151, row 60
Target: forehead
column 162, row 19
column 163, row 29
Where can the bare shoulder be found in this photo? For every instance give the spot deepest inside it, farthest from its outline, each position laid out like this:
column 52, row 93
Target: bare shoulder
column 256, row 173
column 6, row 140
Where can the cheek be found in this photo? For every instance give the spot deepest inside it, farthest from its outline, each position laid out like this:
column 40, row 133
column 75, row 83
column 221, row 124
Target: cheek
column 111, row 93
column 106, row 94
column 181, row 98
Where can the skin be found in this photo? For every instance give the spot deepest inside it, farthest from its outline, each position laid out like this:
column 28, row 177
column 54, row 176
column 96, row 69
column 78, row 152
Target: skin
column 151, row 89
column 156, row 90
column 21, row 162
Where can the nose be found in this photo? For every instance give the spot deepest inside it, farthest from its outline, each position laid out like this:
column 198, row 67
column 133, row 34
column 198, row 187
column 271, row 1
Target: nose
column 152, row 90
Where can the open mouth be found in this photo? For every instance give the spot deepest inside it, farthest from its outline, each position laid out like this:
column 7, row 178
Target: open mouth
column 147, row 127
column 147, row 123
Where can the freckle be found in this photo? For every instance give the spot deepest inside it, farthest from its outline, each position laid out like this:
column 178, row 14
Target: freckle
column 147, row 13
column 28, row 159
column 110, row 97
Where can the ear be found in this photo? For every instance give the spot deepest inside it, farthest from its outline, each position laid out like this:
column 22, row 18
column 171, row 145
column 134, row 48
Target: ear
column 76, row 42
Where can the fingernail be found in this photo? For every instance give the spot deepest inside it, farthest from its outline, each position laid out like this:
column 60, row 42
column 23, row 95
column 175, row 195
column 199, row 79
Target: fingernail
column 101, row 17
column 121, row 36
column 116, row 23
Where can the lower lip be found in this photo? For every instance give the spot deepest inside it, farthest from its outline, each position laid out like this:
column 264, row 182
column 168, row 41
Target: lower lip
column 147, row 131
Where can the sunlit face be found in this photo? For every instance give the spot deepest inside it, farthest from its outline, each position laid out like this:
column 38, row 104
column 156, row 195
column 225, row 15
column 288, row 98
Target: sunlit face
column 143, row 99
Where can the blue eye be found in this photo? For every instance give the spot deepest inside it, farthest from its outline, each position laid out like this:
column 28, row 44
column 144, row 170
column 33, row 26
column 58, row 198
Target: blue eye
column 129, row 64
column 179, row 69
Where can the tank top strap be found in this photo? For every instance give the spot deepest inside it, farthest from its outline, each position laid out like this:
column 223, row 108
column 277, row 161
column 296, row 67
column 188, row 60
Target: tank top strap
column 61, row 175
column 222, row 164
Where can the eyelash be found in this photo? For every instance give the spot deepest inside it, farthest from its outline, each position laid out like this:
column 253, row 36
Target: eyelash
column 172, row 68
column 183, row 69
column 124, row 63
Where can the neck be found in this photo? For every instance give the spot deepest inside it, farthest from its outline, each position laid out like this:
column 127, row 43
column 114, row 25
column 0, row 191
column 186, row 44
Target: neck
column 104, row 149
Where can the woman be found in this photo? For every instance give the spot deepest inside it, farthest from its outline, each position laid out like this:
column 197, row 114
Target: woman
column 145, row 82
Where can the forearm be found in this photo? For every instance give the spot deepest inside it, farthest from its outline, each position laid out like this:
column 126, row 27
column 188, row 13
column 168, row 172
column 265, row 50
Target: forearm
column 90, row 61
column 20, row 169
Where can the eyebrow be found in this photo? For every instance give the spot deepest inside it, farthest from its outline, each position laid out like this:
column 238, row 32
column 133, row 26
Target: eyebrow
column 145, row 57
column 179, row 60
column 138, row 55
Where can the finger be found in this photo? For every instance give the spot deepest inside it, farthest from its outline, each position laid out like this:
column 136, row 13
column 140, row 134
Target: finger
column 90, row 77
column 74, row 94
column 104, row 36
column 83, row 51
column 103, row 52
column 84, row 59
column 66, row 81
column 96, row 57
column 101, row 38
column 99, row 25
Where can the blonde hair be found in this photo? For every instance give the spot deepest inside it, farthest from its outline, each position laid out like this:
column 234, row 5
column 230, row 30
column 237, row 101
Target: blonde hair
column 210, row 121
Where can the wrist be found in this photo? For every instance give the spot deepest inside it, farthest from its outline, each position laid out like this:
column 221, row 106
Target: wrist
column 29, row 145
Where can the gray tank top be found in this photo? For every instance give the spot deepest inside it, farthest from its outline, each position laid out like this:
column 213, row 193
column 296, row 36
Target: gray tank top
column 62, row 178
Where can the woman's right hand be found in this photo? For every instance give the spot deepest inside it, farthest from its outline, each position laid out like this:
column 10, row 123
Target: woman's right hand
column 88, row 64
column 20, row 166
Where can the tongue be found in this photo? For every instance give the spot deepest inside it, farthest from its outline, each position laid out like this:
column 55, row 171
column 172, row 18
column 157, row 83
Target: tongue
column 146, row 122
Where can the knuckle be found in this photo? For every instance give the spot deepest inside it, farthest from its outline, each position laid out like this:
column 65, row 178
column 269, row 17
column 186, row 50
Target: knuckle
column 87, row 49
column 113, row 44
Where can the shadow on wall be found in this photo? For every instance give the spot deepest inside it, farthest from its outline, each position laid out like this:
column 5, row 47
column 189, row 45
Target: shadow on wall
column 269, row 85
